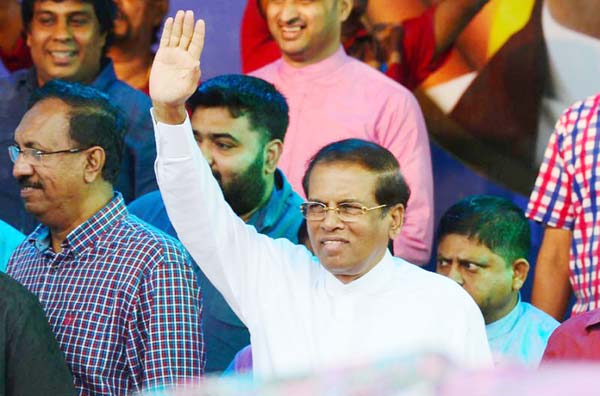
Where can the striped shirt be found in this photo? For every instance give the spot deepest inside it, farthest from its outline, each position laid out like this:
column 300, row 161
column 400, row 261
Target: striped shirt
column 122, row 300
column 566, row 195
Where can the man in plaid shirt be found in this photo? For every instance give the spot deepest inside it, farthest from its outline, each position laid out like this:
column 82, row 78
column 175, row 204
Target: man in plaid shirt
column 120, row 296
column 565, row 200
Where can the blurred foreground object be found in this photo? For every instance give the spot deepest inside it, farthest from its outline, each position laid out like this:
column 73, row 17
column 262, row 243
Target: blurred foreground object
column 422, row 375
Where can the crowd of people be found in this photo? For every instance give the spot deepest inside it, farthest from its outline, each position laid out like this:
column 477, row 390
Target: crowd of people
column 156, row 227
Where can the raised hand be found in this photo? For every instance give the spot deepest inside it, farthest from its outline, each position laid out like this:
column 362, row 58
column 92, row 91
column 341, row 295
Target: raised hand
column 176, row 69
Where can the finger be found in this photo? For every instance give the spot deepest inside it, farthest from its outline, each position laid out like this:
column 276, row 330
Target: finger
column 166, row 34
column 197, row 44
column 176, row 32
column 188, row 30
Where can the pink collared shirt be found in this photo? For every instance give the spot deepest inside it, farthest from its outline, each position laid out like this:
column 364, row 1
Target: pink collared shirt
column 340, row 98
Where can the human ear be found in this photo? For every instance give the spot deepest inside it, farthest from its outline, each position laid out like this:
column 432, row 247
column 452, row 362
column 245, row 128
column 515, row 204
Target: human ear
column 95, row 159
column 396, row 213
column 272, row 153
column 345, row 7
column 102, row 42
column 520, row 270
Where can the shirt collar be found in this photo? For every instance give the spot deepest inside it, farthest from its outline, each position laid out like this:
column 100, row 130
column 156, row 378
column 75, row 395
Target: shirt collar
column 368, row 283
column 28, row 78
column 505, row 324
column 271, row 212
column 322, row 69
column 87, row 233
column 106, row 77
column 594, row 318
column 103, row 80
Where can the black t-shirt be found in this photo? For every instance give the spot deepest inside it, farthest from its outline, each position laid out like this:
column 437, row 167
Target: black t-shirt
column 31, row 362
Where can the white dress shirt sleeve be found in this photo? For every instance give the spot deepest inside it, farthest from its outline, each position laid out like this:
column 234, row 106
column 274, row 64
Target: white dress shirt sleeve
column 245, row 266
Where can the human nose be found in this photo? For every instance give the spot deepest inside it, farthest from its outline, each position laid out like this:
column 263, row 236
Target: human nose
column 455, row 274
column 22, row 167
column 288, row 11
column 206, row 151
column 62, row 30
column 332, row 219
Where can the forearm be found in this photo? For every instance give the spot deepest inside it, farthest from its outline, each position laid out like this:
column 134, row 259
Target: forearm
column 551, row 288
column 195, row 205
column 234, row 257
column 451, row 18
column 416, row 236
column 171, row 307
column 410, row 146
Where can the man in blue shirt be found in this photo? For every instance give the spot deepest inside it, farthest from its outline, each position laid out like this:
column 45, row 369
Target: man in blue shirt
column 239, row 124
column 483, row 242
column 68, row 40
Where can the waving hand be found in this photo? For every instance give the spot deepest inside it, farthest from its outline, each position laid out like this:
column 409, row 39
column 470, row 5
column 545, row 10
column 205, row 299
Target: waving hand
column 176, row 69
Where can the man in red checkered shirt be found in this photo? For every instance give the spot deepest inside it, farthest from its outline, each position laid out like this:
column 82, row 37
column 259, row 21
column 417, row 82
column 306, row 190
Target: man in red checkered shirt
column 565, row 200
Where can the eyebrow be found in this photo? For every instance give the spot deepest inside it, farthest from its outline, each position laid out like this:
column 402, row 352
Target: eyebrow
column 346, row 200
column 30, row 144
column 222, row 135
column 216, row 135
column 478, row 263
column 69, row 14
column 463, row 259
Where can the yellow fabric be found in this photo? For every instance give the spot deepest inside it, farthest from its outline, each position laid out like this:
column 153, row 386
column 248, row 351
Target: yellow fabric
column 509, row 17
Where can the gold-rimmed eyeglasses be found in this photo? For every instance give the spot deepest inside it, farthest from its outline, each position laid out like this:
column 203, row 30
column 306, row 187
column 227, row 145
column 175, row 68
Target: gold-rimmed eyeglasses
column 347, row 211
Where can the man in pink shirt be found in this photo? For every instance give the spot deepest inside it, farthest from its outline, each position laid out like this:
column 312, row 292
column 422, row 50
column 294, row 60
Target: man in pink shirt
column 333, row 97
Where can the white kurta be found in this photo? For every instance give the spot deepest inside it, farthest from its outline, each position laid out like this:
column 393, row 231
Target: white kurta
column 300, row 317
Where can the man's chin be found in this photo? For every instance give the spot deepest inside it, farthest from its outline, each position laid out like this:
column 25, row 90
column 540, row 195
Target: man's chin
column 120, row 38
column 33, row 210
column 333, row 264
column 33, row 200
column 67, row 73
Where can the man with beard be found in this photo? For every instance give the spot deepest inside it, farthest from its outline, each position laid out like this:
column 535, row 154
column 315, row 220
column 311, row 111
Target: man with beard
column 239, row 123
column 135, row 31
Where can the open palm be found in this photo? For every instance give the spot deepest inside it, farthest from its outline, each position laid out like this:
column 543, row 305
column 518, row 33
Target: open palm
column 176, row 69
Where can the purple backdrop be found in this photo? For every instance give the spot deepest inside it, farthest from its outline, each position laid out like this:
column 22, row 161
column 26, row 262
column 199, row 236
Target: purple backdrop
column 221, row 53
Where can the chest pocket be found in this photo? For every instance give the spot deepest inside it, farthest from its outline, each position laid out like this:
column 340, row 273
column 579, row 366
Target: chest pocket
column 91, row 340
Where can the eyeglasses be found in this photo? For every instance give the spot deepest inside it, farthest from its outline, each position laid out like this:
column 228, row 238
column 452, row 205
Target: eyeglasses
column 35, row 156
column 348, row 212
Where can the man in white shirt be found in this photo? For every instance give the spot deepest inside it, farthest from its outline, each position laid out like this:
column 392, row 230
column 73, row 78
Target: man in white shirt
column 354, row 301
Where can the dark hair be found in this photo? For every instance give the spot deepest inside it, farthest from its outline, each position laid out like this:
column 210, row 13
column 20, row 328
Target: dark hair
column 391, row 188
column 93, row 121
column 105, row 10
column 265, row 107
column 493, row 221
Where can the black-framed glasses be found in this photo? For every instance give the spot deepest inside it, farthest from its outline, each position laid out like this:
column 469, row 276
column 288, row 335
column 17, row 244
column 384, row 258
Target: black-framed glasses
column 347, row 211
column 32, row 155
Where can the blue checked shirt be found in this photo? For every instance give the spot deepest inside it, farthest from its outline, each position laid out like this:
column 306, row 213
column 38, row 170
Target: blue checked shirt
column 122, row 300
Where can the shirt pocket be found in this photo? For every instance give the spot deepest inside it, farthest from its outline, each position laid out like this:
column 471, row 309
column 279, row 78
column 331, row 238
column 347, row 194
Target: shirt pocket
column 92, row 342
